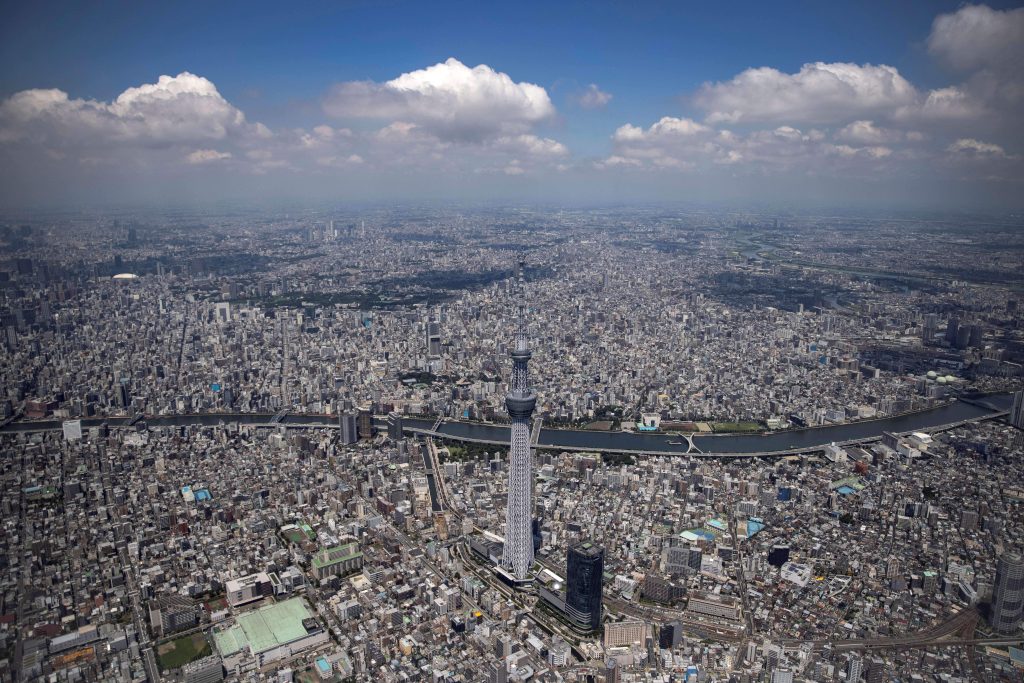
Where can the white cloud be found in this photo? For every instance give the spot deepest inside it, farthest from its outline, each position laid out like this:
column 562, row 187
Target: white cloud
column 340, row 162
column 616, row 160
column 866, row 132
column 684, row 144
column 450, row 100
column 818, row 93
column 205, row 156
column 978, row 37
column 976, row 148
column 667, row 126
column 594, row 98
column 532, row 145
column 175, row 110
column 944, row 103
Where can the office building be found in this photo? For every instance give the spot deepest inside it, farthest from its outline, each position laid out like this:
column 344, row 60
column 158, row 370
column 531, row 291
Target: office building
column 348, row 429
column 172, row 613
column 584, row 569
column 248, row 589
column 337, row 561
column 620, row 633
column 612, row 671
column 1016, row 416
column 1008, row 593
column 714, row 605
column 854, row 668
column 778, row 555
column 499, row 672
column 433, row 338
column 209, row 669
column 364, row 424
column 395, row 426
column 670, row 635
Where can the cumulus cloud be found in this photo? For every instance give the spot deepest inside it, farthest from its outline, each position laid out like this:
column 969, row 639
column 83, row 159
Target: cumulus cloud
column 847, row 118
column 666, row 127
column 818, row 93
column 175, row 110
column 978, row 37
column 987, row 46
column 205, row 156
column 532, row 145
column 948, row 103
column 454, row 119
column 594, row 98
column 866, row 132
column 684, row 144
column 449, row 100
column 976, row 148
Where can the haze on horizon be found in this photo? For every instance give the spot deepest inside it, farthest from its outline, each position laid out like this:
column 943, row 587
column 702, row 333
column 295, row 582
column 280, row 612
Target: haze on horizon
column 871, row 105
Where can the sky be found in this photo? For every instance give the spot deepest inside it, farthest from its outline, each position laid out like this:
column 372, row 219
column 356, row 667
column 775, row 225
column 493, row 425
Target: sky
column 793, row 104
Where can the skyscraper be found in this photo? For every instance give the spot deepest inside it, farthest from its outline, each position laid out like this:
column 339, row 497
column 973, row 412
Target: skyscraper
column 854, row 668
column 433, row 338
column 395, row 426
column 584, row 569
column 670, row 635
column 349, row 430
column 1008, row 593
column 1017, row 411
column 520, row 402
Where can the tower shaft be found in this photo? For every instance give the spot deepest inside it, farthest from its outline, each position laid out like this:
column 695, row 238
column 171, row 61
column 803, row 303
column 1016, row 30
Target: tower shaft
column 520, row 402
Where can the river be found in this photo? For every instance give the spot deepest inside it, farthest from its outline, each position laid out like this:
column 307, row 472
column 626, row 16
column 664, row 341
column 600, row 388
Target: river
column 785, row 440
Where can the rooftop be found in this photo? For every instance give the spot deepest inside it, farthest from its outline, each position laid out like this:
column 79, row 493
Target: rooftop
column 265, row 628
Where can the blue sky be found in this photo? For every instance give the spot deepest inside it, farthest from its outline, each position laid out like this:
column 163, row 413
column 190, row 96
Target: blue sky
column 279, row 65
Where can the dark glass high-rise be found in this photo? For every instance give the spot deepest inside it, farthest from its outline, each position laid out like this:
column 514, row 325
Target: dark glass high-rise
column 584, row 570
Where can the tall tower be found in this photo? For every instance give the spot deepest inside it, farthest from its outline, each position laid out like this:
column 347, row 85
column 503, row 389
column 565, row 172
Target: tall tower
column 520, row 402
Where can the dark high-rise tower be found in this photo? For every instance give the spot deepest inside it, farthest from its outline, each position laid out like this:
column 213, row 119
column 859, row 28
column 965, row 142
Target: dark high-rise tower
column 433, row 337
column 1016, row 416
column 520, row 402
column 584, row 569
column 349, row 429
column 1008, row 593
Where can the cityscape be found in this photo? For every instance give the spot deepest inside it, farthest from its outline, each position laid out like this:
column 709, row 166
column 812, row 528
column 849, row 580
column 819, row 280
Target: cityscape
column 594, row 430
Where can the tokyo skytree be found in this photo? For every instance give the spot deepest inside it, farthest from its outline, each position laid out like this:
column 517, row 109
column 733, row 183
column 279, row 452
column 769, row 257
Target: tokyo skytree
column 520, row 402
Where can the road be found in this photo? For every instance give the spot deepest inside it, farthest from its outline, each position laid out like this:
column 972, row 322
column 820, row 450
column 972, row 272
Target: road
column 23, row 568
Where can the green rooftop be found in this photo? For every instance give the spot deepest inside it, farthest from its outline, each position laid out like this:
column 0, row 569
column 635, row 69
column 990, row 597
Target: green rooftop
column 265, row 628
column 341, row 553
column 854, row 482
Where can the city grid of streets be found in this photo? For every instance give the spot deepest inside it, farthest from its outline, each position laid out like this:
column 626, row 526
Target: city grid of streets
column 146, row 552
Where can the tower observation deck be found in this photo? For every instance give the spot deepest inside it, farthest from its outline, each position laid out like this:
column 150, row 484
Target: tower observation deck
column 520, row 403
